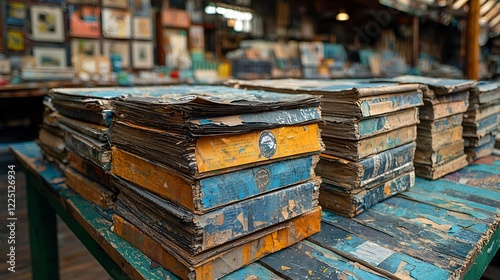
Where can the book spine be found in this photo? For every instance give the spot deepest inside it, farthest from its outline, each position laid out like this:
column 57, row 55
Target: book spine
column 383, row 104
column 219, row 152
column 438, row 111
column 386, row 141
column 87, row 168
column 433, row 173
column 443, row 154
column 98, row 155
column 89, row 190
column 477, row 114
column 378, row 125
column 225, row 262
column 481, row 151
column 438, row 140
column 483, row 127
column 440, row 125
column 387, row 161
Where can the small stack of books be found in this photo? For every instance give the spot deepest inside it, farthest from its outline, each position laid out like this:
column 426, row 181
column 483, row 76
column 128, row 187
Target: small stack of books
column 51, row 137
column 440, row 144
column 85, row 120
column 213, row 178
column 369, row 136
column 481, row 120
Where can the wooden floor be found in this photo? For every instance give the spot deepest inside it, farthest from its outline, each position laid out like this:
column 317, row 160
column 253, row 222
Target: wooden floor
column 75, row 261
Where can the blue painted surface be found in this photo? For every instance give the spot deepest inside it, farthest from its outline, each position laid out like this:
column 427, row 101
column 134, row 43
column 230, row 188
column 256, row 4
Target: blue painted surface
column 397, row 101
column 250, row 182
column 442, row 186
column 252, row 271
column 387, row 160
column 372, row 126
column 487, row 125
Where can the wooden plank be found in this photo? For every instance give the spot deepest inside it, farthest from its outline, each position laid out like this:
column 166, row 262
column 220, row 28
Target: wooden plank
column 472, row 35
column 306, row 260
column 382, row 259
column 488, row 251
column 397, row 243
column 219, row 152
column 477, row 176
column 433, row 173
column 202, row 195
column 252, row 271
column 227, row 261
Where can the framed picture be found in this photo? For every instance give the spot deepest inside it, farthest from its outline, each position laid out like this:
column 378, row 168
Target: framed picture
column 15, row 40
column 115, row 3
column 116, row 23
column 143, row 28
column 16, row 13
column 84, row 21
column 121, row 48
column 197, row 37
column 85, row 46
column 84, row 2
column 50, row 58
column 47, row 24
column 175, row 18
column 142, row 55
column 141, row 7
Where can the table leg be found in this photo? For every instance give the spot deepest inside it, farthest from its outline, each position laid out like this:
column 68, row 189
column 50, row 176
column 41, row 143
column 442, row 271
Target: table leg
column 43, row 234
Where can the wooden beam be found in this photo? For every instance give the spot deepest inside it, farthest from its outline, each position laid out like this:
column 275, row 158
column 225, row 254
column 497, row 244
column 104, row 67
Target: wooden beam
column 472, row 55
column 415, row 50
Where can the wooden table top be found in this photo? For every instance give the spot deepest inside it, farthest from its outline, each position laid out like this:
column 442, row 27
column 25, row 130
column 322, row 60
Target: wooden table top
column 440, row 229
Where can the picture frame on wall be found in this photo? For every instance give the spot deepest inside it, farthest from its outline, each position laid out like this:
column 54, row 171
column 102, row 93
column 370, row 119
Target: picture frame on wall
column 15, row 40
column 115, row 3
column 141, row 7
column 121, row 48
column 88, row 47
column 16, row 13
column 50, row 58
column 47, row 24
column 116, row 24
column 142, row 55
column 143, row 28
column 84, row 21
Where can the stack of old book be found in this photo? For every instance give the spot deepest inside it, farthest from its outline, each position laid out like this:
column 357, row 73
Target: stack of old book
column 51, row 137
column 85, row 120
column 369, row 135
column 440, row 144
column 481, row 120
column 213, row 178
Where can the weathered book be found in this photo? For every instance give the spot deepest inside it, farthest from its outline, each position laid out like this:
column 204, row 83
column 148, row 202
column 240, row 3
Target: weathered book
column 436, row 172
column 477, row 113
column 367, row 173
column 430, row 127
column 440, row 110
column 479, row 152
column 446, row 153
column 90, row 170
column 197, row 233
column 53, row 142
column 89, row 190
column 351, row 203
column 205, row 156
column 355, row 129
column 94, row 150
column 485, row 92
column 358, row 150
column 438, row 86
column 438, row 140
column 202, row 195
column 346, row 98
column 482, row 127
column 220, row 261
column 94, row 131
column 473, row 142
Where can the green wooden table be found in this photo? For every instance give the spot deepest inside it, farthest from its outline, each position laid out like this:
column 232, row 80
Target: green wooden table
column 439, row 229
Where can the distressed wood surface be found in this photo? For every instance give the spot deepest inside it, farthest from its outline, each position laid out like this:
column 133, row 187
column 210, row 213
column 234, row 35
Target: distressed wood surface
column 443, row 229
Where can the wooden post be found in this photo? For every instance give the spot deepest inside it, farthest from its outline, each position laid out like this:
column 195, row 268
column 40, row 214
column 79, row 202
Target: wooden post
column 415, row 41
column 472, row 55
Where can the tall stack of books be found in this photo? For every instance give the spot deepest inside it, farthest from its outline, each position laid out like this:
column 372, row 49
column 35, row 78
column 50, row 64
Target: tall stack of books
column 212, row 178
column 85, row 120
column 440, row 144
column 481, row 120
column 369, row 136
column 51, row 137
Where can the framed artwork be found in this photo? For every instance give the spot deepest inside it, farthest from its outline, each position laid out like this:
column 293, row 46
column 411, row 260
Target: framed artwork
column 121, row 48
column 116, row 23
column 197, row 37
column 141, row 7
column 85, row 46
column 175, row 18
column 115, row 3
column 143, row 28
column 84, row 21
column 16, row 13
column 47, row 24
column 50, row 58
column 142, row 55
column 15, row 40
column 50, row 1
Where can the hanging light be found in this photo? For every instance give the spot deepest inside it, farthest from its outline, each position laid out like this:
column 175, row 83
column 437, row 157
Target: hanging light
column 342, row 15
column 211, row 9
